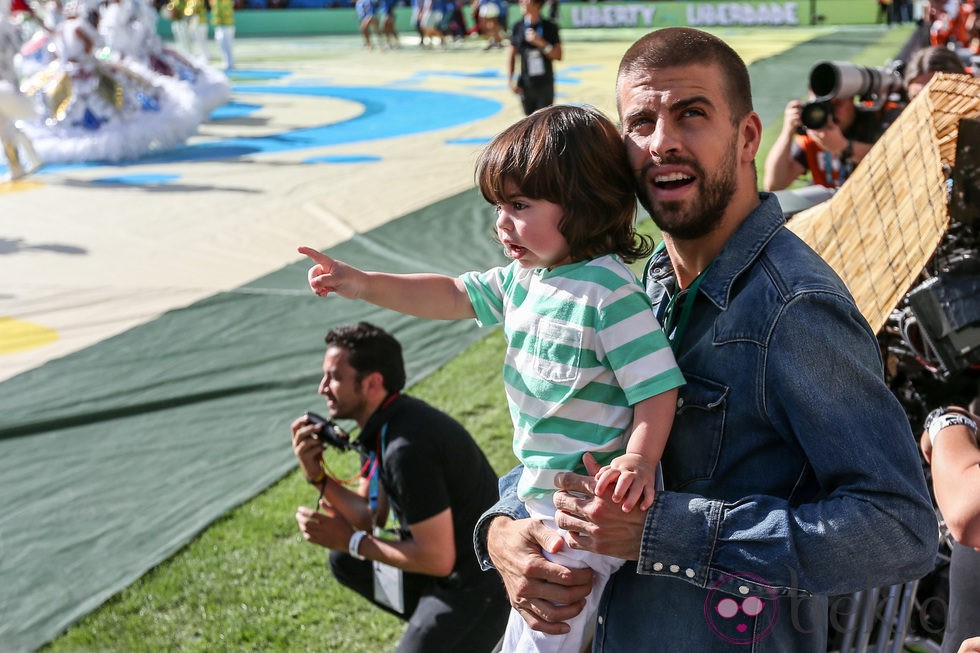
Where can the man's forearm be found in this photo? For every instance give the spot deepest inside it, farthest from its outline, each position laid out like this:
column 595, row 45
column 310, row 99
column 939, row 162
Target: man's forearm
column 352, row 506
column 956, row 480
column 509, row 506
column 780, row 168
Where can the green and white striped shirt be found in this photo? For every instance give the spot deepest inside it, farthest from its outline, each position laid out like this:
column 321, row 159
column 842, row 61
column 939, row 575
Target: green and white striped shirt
column 583, row 348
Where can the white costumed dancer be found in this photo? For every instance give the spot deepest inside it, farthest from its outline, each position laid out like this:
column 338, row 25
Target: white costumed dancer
column 17, row 150
column 128, row 28
column 103, row 110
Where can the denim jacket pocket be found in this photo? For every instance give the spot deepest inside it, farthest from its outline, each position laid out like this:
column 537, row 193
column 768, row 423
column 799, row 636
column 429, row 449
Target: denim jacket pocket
column 695, row 440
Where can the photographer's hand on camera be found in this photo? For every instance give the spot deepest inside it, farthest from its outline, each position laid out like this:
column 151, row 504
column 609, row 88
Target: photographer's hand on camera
column 830, row 138
column 793, row 117
column 780, row 168
column 308, row 450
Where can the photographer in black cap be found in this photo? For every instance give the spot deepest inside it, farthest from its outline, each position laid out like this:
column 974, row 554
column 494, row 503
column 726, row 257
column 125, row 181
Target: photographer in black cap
column 428, row 469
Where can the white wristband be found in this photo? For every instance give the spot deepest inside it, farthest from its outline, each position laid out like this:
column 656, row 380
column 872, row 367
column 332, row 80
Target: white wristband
column 354, row 543
column 937, row 424
column 548, row 48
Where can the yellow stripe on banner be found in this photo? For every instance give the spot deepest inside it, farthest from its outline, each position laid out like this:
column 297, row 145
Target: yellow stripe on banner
column 19, row 185
column 21, row 335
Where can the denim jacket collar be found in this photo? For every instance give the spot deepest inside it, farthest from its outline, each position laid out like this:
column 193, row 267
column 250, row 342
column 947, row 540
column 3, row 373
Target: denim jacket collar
column 738, row 254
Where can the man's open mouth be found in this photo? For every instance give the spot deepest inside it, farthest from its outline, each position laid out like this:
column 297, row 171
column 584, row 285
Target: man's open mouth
column 672, row 181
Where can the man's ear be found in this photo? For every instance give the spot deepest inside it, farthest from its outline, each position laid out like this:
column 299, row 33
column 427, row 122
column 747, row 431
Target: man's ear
column 373, row 382
column 750, row 137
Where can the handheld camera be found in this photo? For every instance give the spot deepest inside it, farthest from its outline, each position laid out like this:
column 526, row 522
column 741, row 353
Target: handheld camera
column 330, row 434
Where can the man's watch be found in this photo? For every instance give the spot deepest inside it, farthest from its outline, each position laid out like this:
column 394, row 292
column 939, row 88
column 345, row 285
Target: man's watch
column 848, row 151
column 942, row 417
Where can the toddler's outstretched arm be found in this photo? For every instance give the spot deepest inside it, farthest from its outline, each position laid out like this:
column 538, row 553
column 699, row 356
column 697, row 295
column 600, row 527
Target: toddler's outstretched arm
column 634, row 473
column 433, row 296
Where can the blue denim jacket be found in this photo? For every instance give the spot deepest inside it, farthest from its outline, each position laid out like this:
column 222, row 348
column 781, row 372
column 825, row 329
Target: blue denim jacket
column 791, row 473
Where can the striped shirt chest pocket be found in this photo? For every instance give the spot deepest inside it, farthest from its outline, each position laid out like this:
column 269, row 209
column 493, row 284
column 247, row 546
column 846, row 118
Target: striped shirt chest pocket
column 555, row 350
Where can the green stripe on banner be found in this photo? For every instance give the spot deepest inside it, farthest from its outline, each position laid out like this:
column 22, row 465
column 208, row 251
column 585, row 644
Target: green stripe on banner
column 113, row 458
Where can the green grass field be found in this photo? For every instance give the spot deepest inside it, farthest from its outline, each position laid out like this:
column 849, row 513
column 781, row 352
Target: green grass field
column 250, row 582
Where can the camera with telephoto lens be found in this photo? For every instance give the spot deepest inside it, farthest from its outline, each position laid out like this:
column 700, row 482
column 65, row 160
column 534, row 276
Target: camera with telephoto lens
column 329, row 434
column 840, row 79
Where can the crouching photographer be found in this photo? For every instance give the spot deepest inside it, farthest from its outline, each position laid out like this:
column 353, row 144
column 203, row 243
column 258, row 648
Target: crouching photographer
column 427, row 468
column 849, row 108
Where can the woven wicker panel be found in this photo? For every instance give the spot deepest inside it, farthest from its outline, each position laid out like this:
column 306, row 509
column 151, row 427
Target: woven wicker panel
column 885, row 222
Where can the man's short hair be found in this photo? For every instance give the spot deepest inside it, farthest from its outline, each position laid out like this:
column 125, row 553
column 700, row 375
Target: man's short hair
column 671, row 47
column 370, row 349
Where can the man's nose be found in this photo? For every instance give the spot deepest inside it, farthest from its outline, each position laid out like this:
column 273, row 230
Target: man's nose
column 662, row 140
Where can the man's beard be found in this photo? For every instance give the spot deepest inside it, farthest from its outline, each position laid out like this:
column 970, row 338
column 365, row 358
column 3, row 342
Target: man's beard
column 707, row 209
column 349, row 409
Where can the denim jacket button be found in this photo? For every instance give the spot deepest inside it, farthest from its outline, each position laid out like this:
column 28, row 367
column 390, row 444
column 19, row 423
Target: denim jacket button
column 658, row 566
column 674, row 569
column 600, row 620
column 680, row 402
column 689, row 573
column 743, row 590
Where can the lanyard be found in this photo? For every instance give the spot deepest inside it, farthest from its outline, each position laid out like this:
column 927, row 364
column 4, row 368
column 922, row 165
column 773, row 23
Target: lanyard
column 835, row 170
column 373, row 459
column 675, row 325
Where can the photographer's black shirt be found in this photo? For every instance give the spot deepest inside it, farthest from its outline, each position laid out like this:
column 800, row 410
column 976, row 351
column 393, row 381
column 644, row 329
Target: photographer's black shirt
column 430, row 462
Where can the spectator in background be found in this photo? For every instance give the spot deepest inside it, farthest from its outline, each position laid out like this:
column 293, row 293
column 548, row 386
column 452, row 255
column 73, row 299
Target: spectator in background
column 368, row 21
column 536, row 41
column 550, row 9
column 885, row 12
column 902, row 11
column 926, row 62
column 829, row 153
column 949, row 444
column 386, row 21
column 422, row 464
column 488, row 17
column 950, row 22
column 454, row 22
column 431, row 13
column 223, row 20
